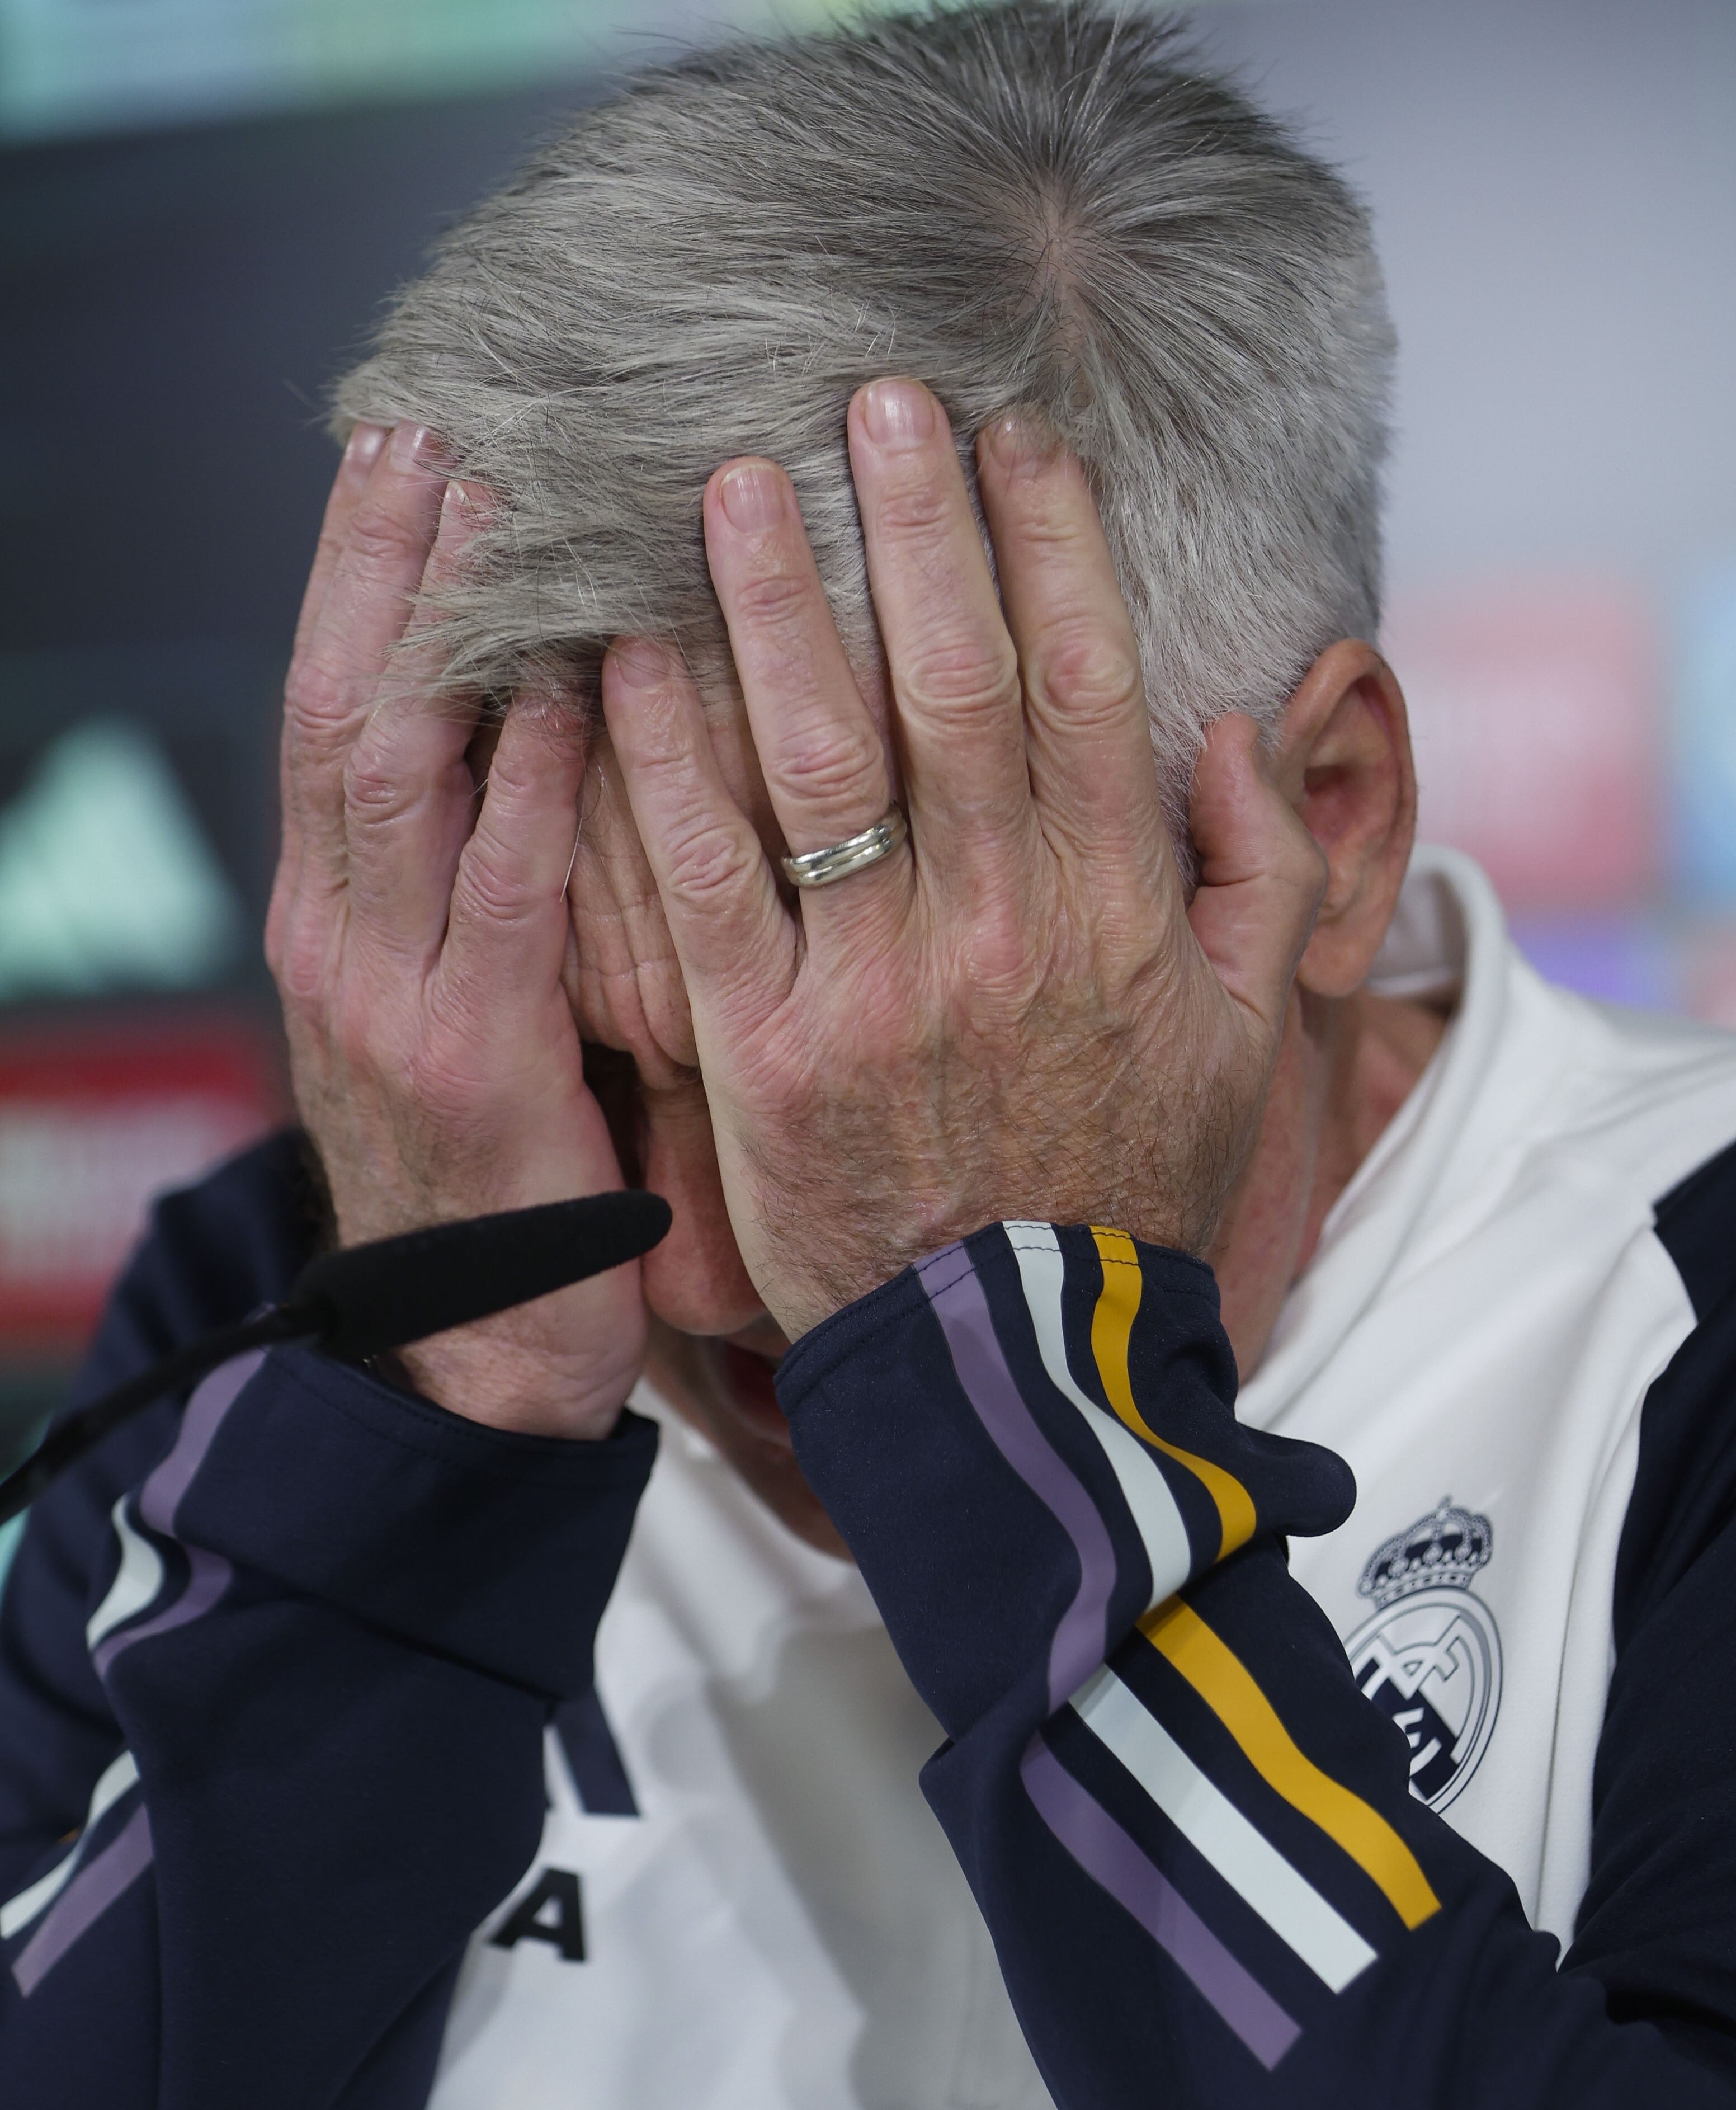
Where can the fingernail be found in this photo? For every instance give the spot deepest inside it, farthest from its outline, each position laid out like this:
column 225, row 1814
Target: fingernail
column 362, row 449
column 899, row 414
column 1023, row 442
column 639, row 662
column 1011, row 441
column 414, row 447
column 752, row 496
column 462, row 503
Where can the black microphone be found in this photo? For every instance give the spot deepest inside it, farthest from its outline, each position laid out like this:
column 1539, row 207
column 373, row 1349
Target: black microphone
column 363, row 1300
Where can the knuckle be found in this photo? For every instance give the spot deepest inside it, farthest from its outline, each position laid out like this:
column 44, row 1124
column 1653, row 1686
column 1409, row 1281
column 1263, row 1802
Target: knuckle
column 494, row 887
column 315, row 696
column 837, row 769
column 521, row 770
column 964, row 676
column 379, row 541
column 918, row 510
column 772, row 600
column 371, row 791
column 297, row 957
column 709, row 864
column 1092, row 676
column 300, row 981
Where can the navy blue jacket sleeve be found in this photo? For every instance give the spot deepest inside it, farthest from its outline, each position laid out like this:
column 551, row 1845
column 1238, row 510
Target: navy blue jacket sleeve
column 274, row 1676
column 1192, row 1837
column 1658, row 1923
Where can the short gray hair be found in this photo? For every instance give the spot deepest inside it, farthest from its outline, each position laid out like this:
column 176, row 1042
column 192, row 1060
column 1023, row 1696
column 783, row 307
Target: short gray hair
column 1048, row 206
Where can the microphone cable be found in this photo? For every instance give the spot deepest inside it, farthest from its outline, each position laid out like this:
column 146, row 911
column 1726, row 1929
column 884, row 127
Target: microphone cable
column 362, row 1301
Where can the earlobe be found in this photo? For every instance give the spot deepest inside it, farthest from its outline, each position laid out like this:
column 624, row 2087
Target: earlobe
column 1344, row 762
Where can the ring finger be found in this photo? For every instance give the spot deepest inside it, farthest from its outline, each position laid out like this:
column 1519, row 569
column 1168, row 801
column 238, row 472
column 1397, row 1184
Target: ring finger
column 825, row 759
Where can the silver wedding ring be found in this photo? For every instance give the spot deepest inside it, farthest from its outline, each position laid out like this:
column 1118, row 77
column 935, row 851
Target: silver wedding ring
column 854, row 854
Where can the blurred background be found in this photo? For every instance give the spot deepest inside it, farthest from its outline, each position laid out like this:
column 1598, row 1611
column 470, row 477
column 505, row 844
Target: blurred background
column 203, row 203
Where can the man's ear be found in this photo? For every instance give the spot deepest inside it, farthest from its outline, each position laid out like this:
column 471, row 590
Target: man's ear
column 1343, row 758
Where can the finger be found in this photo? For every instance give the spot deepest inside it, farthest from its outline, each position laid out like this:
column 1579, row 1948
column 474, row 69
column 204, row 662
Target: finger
column 409, row 800
column 361, row 452
column 297, row 930
column 819, row 750
column 507, row 935
column 736, row 945
column 333, row 685
column 1262, row 876
column 1088, row 732
column 954, row 669
column 822, row 755
column 624, row 978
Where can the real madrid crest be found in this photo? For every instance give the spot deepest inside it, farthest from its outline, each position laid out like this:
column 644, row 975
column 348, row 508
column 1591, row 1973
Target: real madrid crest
column 1431, row 1657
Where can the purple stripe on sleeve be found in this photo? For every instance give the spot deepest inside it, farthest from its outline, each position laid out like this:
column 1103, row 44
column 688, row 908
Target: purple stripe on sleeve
column 207, row 1579
column 1110, row 1857
column 84, row 1900
column 1080, row 1638
column 161, row 1496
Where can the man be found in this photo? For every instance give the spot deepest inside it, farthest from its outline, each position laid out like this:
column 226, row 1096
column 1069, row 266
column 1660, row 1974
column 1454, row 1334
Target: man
column 287, row 1663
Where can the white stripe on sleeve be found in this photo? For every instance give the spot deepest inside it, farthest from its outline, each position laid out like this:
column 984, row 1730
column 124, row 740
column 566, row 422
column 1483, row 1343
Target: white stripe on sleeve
column 137, row 1581
column 1042, row 1272
column 20, row 1911
column 1247, row 1861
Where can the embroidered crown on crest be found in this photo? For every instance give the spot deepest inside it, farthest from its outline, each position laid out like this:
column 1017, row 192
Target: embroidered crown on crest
column 1441, row 1551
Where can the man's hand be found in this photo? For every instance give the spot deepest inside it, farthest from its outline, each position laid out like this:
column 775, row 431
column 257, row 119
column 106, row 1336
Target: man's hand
column 1019, row 1014
column 418, row 933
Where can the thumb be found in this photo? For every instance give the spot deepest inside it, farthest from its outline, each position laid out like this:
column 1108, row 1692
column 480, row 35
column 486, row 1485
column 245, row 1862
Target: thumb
column 1262, row 876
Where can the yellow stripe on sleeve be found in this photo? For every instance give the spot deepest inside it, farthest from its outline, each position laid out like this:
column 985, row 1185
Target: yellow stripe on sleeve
column 1220, row 1677
column 1111, row 1330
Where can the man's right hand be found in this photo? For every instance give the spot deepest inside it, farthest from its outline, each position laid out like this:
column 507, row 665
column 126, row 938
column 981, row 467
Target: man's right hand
column 418, row 933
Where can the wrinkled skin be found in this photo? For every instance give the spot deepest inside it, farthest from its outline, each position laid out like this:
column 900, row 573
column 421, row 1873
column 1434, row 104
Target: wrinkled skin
column 418, row 934
column 1020, row 1013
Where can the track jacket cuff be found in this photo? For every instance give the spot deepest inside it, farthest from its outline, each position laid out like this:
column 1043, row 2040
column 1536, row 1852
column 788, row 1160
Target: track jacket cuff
column 497, row 1549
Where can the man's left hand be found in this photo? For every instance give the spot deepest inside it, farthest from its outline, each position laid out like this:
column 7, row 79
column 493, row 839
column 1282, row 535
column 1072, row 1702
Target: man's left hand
column 1018, row 1013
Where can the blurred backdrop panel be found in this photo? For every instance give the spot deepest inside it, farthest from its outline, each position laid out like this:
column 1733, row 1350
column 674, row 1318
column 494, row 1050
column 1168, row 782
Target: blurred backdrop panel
column 204, row 203
column 1554, row 186
column 88, row 65
column 137, row 1043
